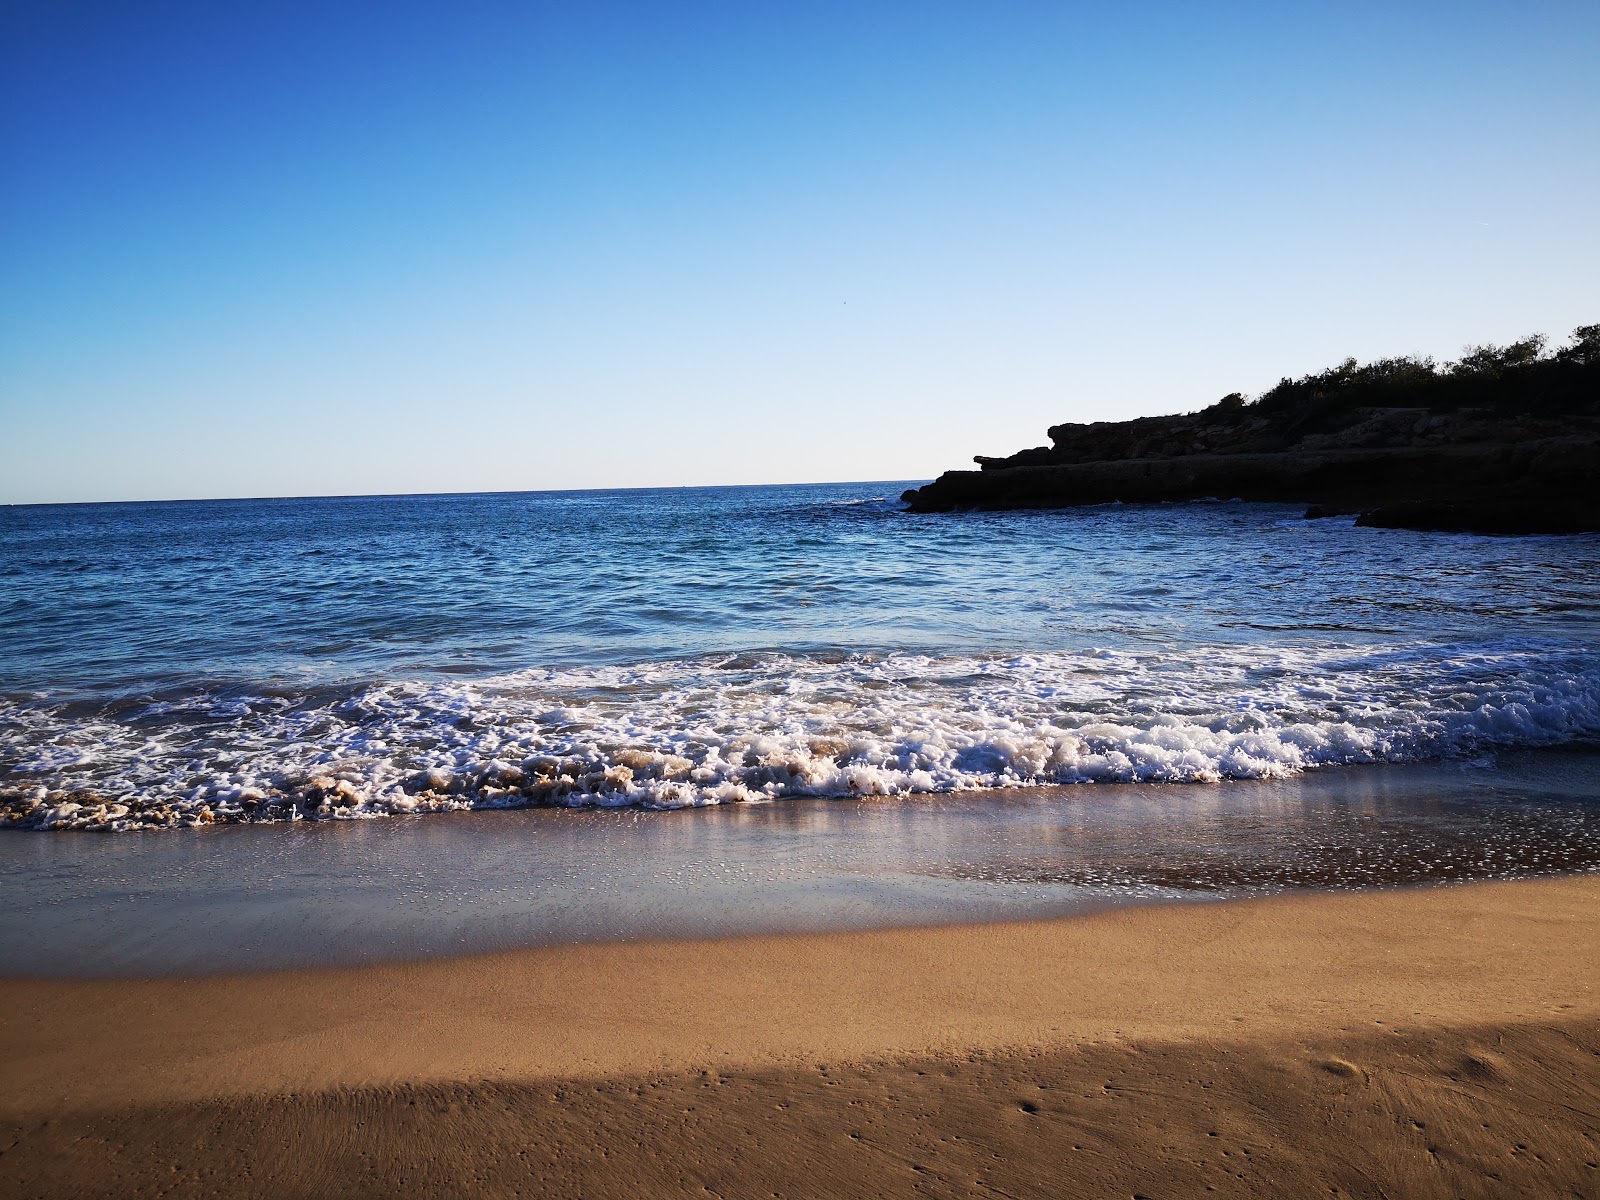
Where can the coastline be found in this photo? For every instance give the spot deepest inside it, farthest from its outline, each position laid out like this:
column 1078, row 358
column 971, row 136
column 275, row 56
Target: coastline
column 1503, row 442
column 228, row 900
column 1305, row 1013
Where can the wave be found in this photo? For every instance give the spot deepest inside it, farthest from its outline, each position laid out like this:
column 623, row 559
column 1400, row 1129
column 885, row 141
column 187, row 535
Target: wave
column 756, row 727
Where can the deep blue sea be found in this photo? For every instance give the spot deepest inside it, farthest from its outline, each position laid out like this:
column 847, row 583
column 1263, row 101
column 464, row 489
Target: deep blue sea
column 190, row 663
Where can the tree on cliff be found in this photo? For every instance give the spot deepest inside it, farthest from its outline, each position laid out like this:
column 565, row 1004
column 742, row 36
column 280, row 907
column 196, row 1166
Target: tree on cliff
column 1585, row 347
column 1520, row 376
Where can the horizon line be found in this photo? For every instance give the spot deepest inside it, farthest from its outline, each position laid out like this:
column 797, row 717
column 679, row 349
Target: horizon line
column 668, row 487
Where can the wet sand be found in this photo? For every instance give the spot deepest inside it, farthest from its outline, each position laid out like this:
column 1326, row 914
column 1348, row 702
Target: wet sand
column 346, row 893
column 1437, row 1041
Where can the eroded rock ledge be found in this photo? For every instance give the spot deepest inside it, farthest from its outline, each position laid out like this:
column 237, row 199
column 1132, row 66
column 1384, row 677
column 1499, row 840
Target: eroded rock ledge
column 1505, row 441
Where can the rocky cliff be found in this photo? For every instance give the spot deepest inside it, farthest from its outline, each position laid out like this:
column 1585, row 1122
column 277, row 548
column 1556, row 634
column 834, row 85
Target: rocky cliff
column 1506, row 440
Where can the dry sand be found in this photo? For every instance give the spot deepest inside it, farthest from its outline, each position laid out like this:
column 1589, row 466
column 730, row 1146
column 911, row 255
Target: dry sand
column 1438, row 1042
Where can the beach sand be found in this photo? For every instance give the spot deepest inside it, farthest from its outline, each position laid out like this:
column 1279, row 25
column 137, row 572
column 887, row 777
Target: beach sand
column 1433, row 1042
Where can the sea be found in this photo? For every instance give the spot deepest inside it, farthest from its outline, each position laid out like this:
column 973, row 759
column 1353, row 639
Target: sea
column 200, row 698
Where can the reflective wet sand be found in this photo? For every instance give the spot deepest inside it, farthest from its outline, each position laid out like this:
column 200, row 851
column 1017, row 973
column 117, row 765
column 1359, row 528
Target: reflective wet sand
column 201, row 901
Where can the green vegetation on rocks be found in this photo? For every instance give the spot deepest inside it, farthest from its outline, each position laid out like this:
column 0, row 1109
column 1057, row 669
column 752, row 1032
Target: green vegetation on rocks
column 1505, row 439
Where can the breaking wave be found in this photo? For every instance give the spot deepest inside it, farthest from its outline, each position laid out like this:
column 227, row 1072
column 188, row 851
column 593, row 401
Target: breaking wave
column 756, row 727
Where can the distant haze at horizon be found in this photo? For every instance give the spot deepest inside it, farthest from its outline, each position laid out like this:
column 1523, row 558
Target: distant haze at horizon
column 353, row 249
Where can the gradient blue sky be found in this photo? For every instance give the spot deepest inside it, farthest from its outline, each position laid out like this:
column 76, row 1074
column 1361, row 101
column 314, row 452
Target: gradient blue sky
column 282, row 249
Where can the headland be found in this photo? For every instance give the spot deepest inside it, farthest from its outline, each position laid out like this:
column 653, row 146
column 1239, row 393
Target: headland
column 1506, row 440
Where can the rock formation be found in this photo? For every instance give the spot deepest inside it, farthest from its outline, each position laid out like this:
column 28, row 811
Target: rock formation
column 1507, row 440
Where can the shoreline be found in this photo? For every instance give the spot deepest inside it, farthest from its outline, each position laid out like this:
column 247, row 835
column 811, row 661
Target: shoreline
column 1278, row 1025
column 231, row 900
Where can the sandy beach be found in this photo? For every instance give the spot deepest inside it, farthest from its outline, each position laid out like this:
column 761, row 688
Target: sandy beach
column 614, row 602
column 1438, row 1041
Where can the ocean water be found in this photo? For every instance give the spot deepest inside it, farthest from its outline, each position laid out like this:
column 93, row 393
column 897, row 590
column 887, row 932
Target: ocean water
column 198, row 663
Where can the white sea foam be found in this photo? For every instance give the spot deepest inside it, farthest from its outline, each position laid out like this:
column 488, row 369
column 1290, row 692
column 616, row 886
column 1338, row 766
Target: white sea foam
column 761, row 727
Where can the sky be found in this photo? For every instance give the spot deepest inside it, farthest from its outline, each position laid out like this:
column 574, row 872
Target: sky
column 344, row 248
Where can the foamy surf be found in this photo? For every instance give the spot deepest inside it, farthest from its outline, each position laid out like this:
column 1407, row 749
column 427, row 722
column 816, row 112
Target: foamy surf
column 757, row 727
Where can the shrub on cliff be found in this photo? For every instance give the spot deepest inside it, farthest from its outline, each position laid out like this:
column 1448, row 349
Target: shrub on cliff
column 1520, row 377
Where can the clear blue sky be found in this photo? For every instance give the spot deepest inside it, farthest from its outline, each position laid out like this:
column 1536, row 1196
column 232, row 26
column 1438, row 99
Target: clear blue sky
column 281, row 249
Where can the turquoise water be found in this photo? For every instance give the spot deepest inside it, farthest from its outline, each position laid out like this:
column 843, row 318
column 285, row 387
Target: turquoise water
column 201, row 662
